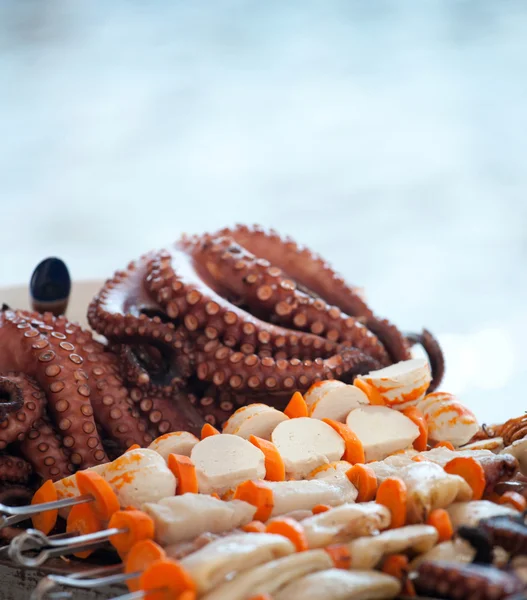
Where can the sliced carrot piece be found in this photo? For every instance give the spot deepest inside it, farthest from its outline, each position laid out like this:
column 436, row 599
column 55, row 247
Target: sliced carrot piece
column 471, row 471
column 392, row 493
column 46, row 520
column 354, row 451
column 259, row 495
column 274, row 465
column 188, row 595
column 105, row 501
column 133, row 447
column 216, row 495
column 397, row 566
column 208, row 430
column 320, row 508
column 254, row 527
column 137, row 526
column 514, row 499
column 440, row 519
column 417, row 417
column 297, row 407
column 290, row 529
column 166, row 580
column 261, row 597
column 141, row 556
column 340, row 555
column 445, row 444
column 365, row 480
column 82, row 520
column 185, row 473
column 373, row 394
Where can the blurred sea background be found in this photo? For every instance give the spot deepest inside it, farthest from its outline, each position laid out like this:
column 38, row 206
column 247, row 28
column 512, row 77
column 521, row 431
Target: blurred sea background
column 389, row 136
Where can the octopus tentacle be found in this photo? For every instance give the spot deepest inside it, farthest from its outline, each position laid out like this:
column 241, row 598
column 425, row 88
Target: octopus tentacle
column 30, row 401
column 11, row 396
column 14, row 469
column 435, row 355
column 300, row 264
column 43, row 448
column 55, row 365
column 14, row 495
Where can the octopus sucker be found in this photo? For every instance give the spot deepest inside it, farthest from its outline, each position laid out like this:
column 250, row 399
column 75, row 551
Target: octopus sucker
column 244, row 313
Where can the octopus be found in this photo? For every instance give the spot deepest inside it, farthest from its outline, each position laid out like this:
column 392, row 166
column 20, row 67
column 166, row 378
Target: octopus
column 183, row 336
column 442, row 579
column 219, row 320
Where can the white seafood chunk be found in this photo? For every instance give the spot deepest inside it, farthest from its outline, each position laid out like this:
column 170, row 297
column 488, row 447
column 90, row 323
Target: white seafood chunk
column 269, row 578
column 381, row 430
column 492, row 444
column 210, row 565
column 457, row 550
column 333, row 399
column 367, row 552
column 181, row 518
column 254, row 419
column 402, row 384
column 448, row 420
column 177, row 442
column 332, row 470
column 518, row 449
column 430, row 487
column 471, row 513
column 344, row 523
column 140, row 476
column 224, row 461
column 304, row 444
column 306, row 494
column 337, row 584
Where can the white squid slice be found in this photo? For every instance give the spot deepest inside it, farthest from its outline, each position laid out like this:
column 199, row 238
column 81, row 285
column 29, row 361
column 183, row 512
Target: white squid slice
column 224, row 461
column 177, row 442
column 185, row 517
column 234, row 553
column 269, row 578
column 448, row 420
column 381, row 430
column 254, row 419
column 367, row 552
column 457, row 550
column 305, row 444
column 333, row 470
column 333, row 399
column 518, row 449
column 337, row 584
column 402, row 384
column 471, row 513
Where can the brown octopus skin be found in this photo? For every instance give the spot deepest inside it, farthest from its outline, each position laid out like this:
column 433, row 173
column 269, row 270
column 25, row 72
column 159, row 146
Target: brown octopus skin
column 506, row 532
column 13, row 495
column 244, row 311
column 14, row 469
column 442, row 579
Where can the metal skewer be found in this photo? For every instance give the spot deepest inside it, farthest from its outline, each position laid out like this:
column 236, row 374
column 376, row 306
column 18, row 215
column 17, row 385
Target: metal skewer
column 84, row 580
column 21, row 513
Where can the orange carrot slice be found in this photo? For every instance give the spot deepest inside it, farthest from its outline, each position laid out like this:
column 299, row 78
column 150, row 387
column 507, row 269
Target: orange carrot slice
column 261, row 597
column 297, row 407
column 471, row 471
column 208, row 430
column 133, row 447
column 105, row 501
column 340, row 555
column 166, row 580
column 259, row 495
column 440, row 519
column 392, row 493
column 320, row 508
column 274, row 465
column 516, row 500
column 141, row 556
column 185, row 473
column 216, row 495
column 445, row 444
column 83, row 520
column 354, row 451
column 417, row 417
column 290, row 529
column 397, row 566
column 136, row 526
column 46, row 520
column 254, row 527
column 365, row 480
column 373, row 394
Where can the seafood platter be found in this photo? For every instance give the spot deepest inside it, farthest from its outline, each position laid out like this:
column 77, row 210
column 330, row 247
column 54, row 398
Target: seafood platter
column 227, row 419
